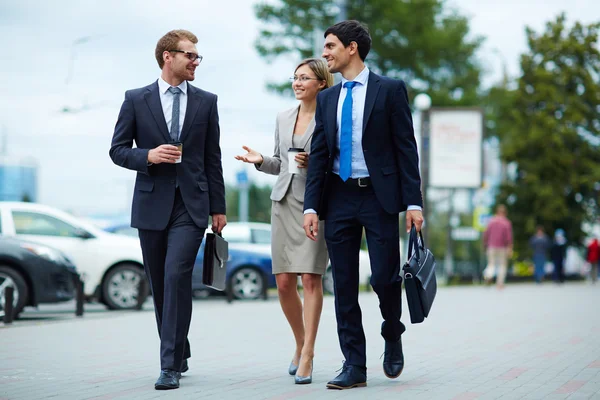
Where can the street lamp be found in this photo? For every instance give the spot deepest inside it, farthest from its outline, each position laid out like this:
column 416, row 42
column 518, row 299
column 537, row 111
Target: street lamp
column 422, row 103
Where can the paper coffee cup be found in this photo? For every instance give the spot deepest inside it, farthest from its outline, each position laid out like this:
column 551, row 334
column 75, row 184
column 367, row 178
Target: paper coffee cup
column 179, row 146
column 292, row 163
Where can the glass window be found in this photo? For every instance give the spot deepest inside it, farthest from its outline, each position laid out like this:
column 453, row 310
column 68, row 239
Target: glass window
column 127, row 230
column 261, row 236
column 32, row 223
column 237, row 234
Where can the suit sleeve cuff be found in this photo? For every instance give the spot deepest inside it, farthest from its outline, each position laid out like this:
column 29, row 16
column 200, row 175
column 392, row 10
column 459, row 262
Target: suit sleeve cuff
column 309, row 211
column 411, row 208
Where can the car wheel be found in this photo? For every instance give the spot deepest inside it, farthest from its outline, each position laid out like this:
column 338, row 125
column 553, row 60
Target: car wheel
column 328, row 280
column 247, row 283
column 121, row 285
column 11, row 278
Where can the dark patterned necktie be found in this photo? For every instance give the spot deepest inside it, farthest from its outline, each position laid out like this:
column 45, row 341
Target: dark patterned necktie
column 175, row 91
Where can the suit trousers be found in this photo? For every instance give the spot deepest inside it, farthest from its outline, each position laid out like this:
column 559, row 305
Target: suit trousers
column 169, row 257
column 350, row 210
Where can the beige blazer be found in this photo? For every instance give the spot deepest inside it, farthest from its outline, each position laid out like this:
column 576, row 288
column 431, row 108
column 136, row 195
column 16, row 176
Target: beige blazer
column 278, row 164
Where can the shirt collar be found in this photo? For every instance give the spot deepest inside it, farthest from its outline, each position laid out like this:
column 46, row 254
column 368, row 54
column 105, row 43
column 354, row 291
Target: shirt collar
column 361, row 78
column 163, row 86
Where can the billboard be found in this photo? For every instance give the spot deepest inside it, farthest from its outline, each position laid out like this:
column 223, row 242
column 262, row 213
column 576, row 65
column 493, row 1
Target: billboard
column 455, row 147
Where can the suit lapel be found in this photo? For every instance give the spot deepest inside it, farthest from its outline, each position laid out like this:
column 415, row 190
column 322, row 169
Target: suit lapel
column 153, row 100
column 332, row 106
column 194, row 101
column 307, row 135
column 372, row 90
column 288, row 135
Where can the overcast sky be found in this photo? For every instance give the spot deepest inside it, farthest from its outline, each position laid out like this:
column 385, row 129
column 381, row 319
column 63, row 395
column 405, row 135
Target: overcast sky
column 71, row 149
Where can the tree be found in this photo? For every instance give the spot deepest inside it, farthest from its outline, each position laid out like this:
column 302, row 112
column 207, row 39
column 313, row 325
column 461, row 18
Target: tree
column 422, row 42
column 259, row 207
column 550, row 129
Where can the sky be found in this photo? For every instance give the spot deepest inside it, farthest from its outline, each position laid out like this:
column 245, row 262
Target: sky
column 83, row 56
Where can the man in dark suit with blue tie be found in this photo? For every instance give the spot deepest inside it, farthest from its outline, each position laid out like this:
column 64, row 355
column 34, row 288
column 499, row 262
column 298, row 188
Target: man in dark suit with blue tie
column 179, row 183
column 363, row 172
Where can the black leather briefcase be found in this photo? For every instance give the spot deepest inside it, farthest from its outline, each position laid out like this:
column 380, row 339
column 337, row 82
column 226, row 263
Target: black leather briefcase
column 419, row 278
column 216, row 254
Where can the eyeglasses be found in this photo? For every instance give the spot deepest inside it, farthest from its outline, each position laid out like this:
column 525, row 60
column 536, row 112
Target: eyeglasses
column 190, row 55
column 303, row 79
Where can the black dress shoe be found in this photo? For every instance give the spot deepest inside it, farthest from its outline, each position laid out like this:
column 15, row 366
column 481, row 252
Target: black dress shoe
column 184, row 366
column 168, row 379
column 351, row 377
column 393, row 360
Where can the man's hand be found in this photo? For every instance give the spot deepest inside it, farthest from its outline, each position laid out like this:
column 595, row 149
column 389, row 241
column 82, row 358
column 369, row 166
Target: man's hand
column 165, row 153
column 311, row 226
column 413, row 217
column 218, row 222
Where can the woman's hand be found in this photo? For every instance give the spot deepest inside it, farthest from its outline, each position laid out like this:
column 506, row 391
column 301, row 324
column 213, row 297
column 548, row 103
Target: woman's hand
column 251, row 157
column 302, row 160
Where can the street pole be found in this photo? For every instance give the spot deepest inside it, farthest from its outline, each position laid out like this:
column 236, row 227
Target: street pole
column 422, row 103
column 343, row 13
column 243, row 211
column 243, row 186
column 449, row 256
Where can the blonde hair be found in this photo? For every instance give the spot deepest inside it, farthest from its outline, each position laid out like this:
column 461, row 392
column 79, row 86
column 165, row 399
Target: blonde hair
column 171, row 42
column 319, row 68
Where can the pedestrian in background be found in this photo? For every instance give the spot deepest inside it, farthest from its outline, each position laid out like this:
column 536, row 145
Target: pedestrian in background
column 540, row 244
column 558, row 253
column 498, row 242
column 593, row 256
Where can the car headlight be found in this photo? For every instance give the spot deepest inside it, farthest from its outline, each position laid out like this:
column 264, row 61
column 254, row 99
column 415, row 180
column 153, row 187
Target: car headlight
column 45, row 252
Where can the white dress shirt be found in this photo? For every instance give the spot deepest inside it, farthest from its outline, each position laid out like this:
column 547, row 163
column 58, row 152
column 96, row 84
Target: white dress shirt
column 359, row 95
column 166, row 99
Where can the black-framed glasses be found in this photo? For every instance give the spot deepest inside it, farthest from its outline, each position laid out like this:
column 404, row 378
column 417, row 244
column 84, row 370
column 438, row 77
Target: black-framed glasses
column 190, row 55
column 303, row 79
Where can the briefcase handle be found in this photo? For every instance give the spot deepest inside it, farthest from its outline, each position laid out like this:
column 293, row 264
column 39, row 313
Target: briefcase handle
column 413, row 240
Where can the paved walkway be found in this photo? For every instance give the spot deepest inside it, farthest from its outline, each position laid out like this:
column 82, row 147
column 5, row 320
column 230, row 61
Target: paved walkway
column 526, row 342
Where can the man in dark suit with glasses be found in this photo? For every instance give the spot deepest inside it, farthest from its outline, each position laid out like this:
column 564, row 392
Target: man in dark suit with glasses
column 175, row 127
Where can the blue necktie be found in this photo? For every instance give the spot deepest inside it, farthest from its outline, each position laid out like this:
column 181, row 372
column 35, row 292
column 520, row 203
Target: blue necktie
column 175, row 115
column 346, row 134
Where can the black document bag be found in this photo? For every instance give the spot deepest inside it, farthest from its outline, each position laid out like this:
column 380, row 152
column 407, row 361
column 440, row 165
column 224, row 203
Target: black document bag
column 216, row 254
column 419, row 278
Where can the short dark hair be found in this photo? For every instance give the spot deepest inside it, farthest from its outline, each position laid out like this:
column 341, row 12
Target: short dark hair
column 352, row 31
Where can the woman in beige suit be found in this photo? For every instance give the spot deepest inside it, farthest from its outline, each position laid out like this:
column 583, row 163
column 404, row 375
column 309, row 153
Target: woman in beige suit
column 293, row 253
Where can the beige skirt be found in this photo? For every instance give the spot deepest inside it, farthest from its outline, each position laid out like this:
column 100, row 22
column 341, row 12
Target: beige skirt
column 291, row 250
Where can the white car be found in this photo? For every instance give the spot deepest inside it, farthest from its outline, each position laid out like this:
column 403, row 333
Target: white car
column 259, row 236
column 110, row 265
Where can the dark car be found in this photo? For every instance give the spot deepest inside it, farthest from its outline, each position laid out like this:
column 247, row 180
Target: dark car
column 38, row 273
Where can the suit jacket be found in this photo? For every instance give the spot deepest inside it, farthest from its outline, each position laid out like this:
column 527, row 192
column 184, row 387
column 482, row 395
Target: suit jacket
column 200, row 173
column 278, row 164
column 388, row 144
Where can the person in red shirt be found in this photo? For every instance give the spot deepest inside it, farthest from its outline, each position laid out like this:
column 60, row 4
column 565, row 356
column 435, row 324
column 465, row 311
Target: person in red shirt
column 593, row 256
column 498, row 241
